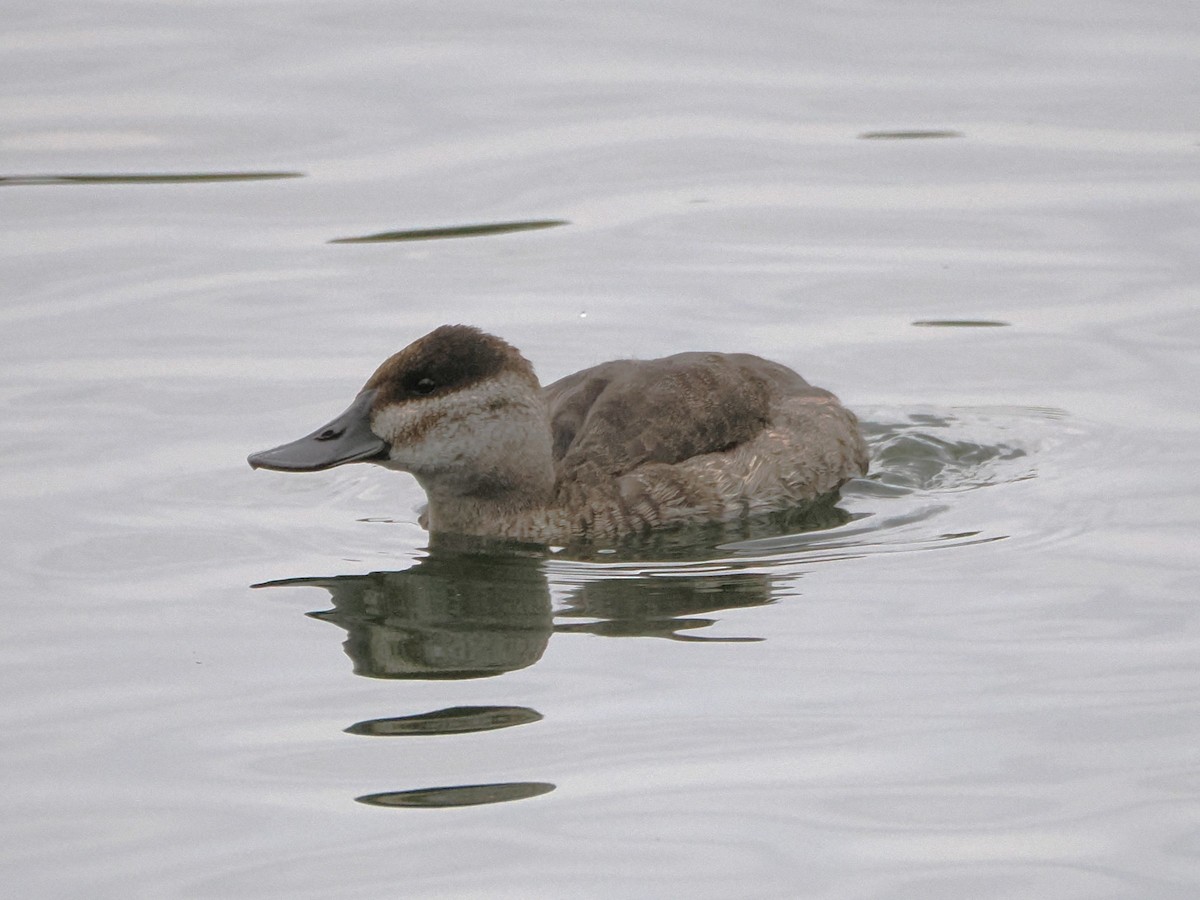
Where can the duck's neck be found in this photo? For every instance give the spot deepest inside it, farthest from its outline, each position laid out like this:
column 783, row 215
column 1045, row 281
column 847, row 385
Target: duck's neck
column 485, row 513
column 507, row 480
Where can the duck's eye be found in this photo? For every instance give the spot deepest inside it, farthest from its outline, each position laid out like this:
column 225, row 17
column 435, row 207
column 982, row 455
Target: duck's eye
column 424, row 386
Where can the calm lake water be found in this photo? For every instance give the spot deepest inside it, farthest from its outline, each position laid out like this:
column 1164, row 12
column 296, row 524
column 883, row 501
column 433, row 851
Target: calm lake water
column 977, row 223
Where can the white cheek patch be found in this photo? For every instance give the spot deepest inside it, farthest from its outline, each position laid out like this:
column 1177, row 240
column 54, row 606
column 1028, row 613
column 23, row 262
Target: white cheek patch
column 458, row 430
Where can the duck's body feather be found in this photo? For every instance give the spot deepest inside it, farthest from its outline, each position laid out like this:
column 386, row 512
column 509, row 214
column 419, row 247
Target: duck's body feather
column 693, row 437
column 618, row 448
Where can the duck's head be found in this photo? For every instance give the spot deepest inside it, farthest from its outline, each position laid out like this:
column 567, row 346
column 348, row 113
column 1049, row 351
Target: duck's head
column 459, row 409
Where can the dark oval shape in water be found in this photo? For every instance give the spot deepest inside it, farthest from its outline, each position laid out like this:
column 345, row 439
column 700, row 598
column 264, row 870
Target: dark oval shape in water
column 960, row 323
column 149, row 178
column 908, row 135
column 452, row 720
column 463, row 795
column 455, row 231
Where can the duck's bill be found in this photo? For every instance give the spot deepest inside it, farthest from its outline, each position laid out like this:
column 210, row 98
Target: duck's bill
column 346, row 439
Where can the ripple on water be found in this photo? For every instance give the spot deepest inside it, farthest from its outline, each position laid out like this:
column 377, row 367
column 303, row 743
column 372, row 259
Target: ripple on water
column 459, row 795
column 455, row 720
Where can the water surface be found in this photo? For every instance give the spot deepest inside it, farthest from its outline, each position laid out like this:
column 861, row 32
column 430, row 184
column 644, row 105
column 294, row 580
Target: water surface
column 977, row 678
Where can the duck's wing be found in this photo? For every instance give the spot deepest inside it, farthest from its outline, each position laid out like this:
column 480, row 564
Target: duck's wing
column 612, row 418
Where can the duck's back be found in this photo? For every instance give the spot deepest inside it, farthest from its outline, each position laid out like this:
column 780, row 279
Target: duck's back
column 621, row 416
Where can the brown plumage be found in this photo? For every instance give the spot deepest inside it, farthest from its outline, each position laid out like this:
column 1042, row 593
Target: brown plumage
column 618, row 448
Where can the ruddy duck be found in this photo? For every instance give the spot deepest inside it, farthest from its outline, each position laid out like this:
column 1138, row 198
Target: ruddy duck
column 619, row 448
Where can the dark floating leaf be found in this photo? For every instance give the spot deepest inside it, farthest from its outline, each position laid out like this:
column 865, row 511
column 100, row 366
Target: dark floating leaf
column 960, row 323
column 464, row 795
column 161, row 178
column 908, row 135
column 455, row 231
column 454, row 720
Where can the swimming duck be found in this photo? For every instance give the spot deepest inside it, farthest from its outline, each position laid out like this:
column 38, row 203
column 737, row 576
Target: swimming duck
column 618, row 448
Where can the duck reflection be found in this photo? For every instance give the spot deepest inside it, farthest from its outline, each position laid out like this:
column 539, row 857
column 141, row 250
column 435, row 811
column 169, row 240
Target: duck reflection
column 459, row 615
column 452, row 615
column 661, row 606
column 468, row 612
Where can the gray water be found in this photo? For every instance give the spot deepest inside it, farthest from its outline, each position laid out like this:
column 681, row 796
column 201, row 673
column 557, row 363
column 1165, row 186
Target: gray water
column 975, row 222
